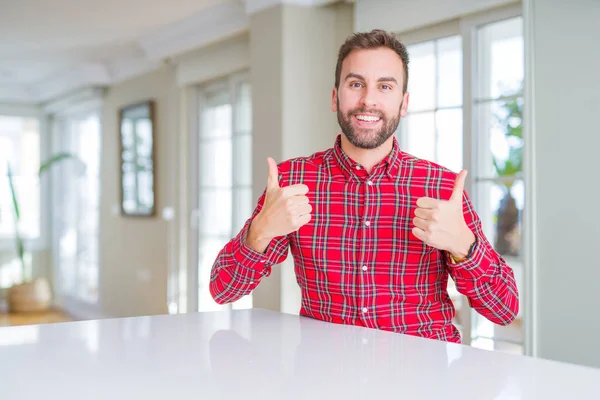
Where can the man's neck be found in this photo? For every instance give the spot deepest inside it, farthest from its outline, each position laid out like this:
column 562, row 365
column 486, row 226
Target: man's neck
column 368, row 158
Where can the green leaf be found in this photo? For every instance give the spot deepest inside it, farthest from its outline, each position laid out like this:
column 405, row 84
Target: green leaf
column 13, row 193
column 17, row 211
column 20, row 248
column 497, row 167
column 55, row 159
column 511, row 122
column 18, row 238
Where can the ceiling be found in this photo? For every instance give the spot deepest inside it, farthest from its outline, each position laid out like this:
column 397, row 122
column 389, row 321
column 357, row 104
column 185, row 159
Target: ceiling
column 49, row 40
column 51, row 47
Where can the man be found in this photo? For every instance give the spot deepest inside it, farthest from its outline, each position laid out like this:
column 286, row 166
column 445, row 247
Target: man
column 374, row 231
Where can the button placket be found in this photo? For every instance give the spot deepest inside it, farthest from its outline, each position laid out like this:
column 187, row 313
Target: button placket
column 368, row 219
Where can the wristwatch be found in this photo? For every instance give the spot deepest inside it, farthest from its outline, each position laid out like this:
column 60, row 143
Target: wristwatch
column 456, row 260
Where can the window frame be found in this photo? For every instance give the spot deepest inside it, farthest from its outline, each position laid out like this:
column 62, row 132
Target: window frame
column 466, row 27
column 229, row 83
column 62, row 127
column 42, row 242
column 434, row 34
column 82, row 103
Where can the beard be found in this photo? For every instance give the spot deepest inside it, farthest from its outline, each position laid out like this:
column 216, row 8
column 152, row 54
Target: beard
column 367, row 138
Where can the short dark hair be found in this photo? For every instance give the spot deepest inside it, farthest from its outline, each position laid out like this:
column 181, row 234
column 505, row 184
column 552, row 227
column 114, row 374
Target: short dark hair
column 372, row 40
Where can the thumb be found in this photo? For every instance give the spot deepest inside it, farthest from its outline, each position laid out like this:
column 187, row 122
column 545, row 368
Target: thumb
column 273, row 178
column 459, row 186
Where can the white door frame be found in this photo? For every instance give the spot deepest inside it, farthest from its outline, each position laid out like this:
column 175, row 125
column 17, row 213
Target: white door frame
column 196, row 107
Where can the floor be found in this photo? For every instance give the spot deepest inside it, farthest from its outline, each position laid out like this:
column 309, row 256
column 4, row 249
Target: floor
column 17, row 319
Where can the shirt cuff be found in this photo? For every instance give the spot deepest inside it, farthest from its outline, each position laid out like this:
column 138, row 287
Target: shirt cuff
column 475, row 265
column 248, row 257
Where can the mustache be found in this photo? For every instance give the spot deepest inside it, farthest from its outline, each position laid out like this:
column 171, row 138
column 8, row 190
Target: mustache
column 366, row 111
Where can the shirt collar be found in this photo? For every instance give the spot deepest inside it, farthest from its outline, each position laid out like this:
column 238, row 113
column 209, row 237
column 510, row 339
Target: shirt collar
column 352, row 170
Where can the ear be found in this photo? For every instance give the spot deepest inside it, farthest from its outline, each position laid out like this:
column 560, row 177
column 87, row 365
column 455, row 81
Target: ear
column 334, row 100
column 404, row 105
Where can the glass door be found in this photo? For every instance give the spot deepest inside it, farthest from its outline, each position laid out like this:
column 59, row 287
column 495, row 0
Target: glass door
column 77, row 207
column 498, row 162
column 465, row 111
column 223, row 200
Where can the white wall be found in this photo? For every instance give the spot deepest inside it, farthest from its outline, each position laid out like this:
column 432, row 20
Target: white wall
column 292, row 73
column 309, row 58
column 214, row 61
column 266, row 48
column 137, row 255
column 404, row 15
column 565, row 108
column 134, row 252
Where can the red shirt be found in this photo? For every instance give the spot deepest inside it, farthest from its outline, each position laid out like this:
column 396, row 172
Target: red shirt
column 357, row 261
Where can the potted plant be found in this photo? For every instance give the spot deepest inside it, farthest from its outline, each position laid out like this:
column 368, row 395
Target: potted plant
column 32, row 294
column 509, row 170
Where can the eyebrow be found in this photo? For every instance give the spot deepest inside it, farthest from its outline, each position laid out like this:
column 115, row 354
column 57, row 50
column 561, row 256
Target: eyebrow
column 382, row 79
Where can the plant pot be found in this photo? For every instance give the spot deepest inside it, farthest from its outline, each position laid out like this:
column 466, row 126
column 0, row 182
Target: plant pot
column 507, row 227
column 33, row 296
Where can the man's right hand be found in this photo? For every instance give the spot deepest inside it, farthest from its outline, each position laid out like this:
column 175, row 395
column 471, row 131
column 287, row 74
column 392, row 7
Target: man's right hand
column 285, row 210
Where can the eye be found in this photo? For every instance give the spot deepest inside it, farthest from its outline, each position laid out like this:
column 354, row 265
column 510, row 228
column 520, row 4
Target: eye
column 386, row 87
column 356, row 84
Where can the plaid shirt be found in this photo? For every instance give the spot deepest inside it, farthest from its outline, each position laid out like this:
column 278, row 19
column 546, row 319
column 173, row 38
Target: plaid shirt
column 357, row 261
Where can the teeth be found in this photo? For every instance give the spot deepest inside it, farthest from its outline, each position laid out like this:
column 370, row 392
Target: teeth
column 367, row 118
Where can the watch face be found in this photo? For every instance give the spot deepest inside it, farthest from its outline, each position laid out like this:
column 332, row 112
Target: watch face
column 471, row 249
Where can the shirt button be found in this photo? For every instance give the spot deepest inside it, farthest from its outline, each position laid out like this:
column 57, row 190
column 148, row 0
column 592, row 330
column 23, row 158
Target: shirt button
column 364, row 267
column 252, row 282
column 364, row 310
column 358, row 167
column 367, row 223
column 370, row 183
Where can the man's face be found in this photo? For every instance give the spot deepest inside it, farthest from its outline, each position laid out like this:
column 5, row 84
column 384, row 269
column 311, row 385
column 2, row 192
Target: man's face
column 369, row 101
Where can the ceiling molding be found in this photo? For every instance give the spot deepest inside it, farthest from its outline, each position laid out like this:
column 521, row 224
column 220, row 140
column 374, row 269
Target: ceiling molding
column 19, row 109
column 254, row 6
column 210, row 25
column 82, row 76
column 16, row 93
column 228, row 57
column 123, row 68
column 74, row 101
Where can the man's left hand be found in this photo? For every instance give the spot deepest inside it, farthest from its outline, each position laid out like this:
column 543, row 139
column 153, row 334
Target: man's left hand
column 441, row 223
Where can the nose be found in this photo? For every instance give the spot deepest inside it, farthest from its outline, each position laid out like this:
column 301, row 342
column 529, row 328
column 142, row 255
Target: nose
column 369, row 97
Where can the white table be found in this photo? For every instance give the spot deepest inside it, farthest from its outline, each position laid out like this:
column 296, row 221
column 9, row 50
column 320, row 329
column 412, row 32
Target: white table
column 258, row 354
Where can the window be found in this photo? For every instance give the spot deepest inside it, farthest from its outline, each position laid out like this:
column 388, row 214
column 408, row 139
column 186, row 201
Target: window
column 224, row 176
column 489, row 47
column 432, row 128
column 499, row 188
column 19, row 149
column 77, row 204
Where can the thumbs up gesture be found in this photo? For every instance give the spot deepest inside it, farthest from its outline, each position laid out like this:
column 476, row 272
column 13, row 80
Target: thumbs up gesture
column 284, row 211
column 441, row 223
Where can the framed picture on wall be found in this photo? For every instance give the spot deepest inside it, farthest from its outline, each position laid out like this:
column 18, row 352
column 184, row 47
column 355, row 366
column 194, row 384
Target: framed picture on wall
column 137, row 165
